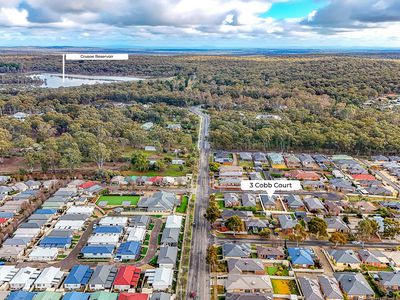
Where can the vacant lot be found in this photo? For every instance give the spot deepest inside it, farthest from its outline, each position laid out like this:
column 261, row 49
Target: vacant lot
column 115, row 200
column 284, row 287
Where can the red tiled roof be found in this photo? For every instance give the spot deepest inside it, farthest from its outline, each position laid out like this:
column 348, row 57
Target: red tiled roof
column 3, row 220
column 87, row 185
column 133, row 296
column 155, row 179
column 127, row 275
column 363, row 177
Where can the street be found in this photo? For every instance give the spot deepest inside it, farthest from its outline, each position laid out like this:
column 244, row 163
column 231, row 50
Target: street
column 199, row 279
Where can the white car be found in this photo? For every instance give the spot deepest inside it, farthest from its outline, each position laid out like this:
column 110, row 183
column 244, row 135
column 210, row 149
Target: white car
column 356, row 242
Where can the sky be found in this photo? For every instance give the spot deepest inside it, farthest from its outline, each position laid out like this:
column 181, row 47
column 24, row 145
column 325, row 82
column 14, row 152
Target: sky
column 201, row 23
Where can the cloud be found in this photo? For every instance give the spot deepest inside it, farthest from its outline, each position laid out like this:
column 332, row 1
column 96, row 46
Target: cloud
column 352, row 14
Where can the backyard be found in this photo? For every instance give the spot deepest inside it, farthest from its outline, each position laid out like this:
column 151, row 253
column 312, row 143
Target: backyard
column 115, row 200
column 284, row 287
column 183, row 206
column 277, row 270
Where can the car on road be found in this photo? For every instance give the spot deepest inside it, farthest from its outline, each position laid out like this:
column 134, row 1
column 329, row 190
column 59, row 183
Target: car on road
column 356, row 242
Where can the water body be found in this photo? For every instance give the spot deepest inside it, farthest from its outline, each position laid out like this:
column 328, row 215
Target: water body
column 56, row 81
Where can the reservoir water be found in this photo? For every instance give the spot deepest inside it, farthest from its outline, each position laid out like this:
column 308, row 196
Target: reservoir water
column 56, row 81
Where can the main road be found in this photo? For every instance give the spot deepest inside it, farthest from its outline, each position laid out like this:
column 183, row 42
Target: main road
column 199, row 276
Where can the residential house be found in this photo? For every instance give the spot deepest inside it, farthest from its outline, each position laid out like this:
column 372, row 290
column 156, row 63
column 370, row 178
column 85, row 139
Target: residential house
column 259, row 157
column 133, row 296
column 336, row 224
column 170, row 237
column 231, row 171
column 354, row 285
column 236, row 250
column 373, row 258
column 163, row 279
column 344, row 259
column 7, row 273
column 127, row 278
column 101, row 295
column 174, row 221
column 160, row 296
column 314, row 204
column 256, row 225
column 245, row 156
column 248, row 296
column 239, row 283
column 294, row 202
column 330, row 288
column 364, row 206
column 43, row 254
column 301, row 257
column 313, row 185
column 390, row 280
column 140, row 221
column 76, row 296
column 98, row 251
column 249, row 200
column 227, row 213
column 310, row 289
column 303, row 175
column 78, row 277
column 159, row 202
column 287, row 223
column 292, row 161
column 102, row 278
column 333, row 208
column 136, row 234
column 246, row 266
column 167, row 257
column 50, row 277
column 273, row 253
column 128, row 250
column 230, row 182
column 342, row 185
column 24, row 279
column 276, row 160
column 268, row 202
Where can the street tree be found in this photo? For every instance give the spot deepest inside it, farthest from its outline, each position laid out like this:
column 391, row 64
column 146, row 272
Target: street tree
column 338, row 238
column 366, row 229
column 299, row 234
column 213, row 212
column 212, row 257
column 139, row 162
column 391, row 228
column 318, row 226
column 235, row 224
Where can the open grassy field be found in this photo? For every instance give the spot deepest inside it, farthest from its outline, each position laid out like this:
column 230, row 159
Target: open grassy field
column 115, row 200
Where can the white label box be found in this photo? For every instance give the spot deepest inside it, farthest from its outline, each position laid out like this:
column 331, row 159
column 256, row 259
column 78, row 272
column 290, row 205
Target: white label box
column 270, row 186
column 96, row 56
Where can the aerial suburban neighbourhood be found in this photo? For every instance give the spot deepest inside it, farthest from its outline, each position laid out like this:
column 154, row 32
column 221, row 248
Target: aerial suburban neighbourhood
column 199, row 150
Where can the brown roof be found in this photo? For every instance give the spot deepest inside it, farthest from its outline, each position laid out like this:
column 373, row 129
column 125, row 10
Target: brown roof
column 270, row 251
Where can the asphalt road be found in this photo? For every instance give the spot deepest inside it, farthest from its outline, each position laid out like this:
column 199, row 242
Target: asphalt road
column 199, row 276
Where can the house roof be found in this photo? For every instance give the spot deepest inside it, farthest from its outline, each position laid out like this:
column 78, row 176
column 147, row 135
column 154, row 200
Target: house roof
column 236, row 250
column 227, row 213
column 133, row 296
column 76, row 296
column 373, row 256
column 363, row 177
column 344, row 256
column 269, row 251
column 245, row 265
column 389, row 279
column 79, row 274
column 50, row 274
column 108, row 229
column 56, row 242
column 336, row 223
column 159, row 201
column 167, row 255
column 129, row 248
column 330, row 287
column 247, row 282
column 313, row 203
column 286, row 221
column 248, row 200
column 248, row 296
column 170, row 235
column 174, row 221
column 103, row 275
column 163, row 276
column 98, row 249
column 294, row 201
column 160, row 296
column 103, row 296
column 48, row 296
column 301, row 256
column 310, row 288
column 354, row 284
column 127, row 275
column 21, row 295
column 267, row 200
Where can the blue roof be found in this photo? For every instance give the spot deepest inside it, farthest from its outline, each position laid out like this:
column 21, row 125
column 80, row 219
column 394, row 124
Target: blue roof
column 4, row 214
column 301, row 256
column 129, row 248
column 55, row 242
column 21, row 295
column 80, row 274
column 45, row 211
column 108, row 229
column 98, row 249
column 76, row 296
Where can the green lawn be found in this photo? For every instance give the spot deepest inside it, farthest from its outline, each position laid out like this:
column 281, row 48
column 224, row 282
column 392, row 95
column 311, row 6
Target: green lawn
column 221, row 204
column 183, row 206
column 114, row 200
column 277, row 270
column 372, row 268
